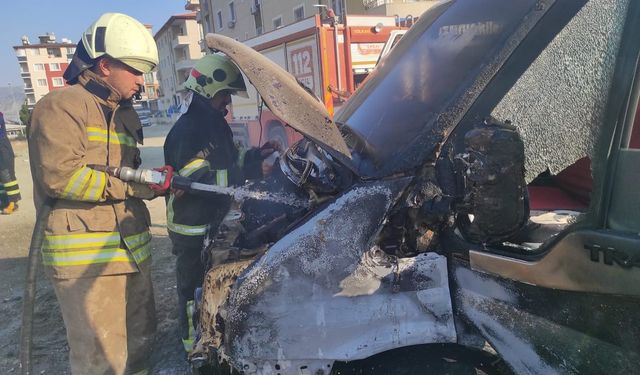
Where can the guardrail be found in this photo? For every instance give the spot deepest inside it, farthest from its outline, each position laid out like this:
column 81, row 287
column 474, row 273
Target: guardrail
column 15, row 131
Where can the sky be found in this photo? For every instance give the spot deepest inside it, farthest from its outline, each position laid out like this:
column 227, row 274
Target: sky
column 67, row 19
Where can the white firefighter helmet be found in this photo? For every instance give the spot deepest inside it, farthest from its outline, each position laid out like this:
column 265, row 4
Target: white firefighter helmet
column 213, row 73
column 124, row 38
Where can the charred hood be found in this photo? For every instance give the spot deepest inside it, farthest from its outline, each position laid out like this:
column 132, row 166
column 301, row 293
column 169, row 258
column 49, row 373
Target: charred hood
column 282, row 93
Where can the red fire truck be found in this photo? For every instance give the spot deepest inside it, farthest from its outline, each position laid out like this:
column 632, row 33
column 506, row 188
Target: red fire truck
column 329, row 58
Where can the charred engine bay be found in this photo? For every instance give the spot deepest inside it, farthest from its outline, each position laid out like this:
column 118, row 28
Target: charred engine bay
column 479, row 191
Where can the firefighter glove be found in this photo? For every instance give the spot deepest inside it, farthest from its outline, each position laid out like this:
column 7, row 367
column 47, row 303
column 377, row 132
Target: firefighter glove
column 141, row 191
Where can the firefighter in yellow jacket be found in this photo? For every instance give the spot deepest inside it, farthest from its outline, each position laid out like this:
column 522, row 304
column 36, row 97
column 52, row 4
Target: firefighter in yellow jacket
column 97, row 241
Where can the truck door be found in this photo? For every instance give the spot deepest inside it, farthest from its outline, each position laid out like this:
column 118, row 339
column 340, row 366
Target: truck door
column 564, row 295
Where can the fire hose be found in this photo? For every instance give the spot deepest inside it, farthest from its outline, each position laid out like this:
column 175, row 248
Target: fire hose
column 164, row 178
column 161, row 179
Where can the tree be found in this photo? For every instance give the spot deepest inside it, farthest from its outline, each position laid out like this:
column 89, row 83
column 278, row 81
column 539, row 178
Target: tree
column 25, row 114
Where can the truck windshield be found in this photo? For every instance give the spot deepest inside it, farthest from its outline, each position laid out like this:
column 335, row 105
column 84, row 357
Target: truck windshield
column 431, row 77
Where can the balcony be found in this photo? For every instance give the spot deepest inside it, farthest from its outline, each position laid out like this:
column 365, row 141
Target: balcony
column 192, row 5
column 203, row 45
column 368, row 4
column 22, row 58
column 180, row 41
column 185, row 65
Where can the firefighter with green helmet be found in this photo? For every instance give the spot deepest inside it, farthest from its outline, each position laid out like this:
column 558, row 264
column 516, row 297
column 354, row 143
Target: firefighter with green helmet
column 96, row 247
column 200, row 146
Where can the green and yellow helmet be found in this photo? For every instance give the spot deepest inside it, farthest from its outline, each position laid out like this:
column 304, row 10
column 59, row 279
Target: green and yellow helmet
column 213, row 73
column 124, row 38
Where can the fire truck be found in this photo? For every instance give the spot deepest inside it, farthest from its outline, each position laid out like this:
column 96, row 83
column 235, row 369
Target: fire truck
column 329, row 58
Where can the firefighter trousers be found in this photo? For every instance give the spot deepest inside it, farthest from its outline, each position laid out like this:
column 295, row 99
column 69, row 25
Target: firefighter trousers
column 189, row 275
column 110, row 322
column 9, row 189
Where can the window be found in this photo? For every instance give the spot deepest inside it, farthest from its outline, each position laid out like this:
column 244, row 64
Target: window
column 560, row 137
column 42, row 82
column 277, row 22
column 232, row 11
column 55, row 67
column 207, row 25
column 257, row 16
column 219, row 19
column 337, row 7
column 38, row 66
column 71, row 50
column 298, row 13
column 58, row 82
column 35, row 51
column 55, row 52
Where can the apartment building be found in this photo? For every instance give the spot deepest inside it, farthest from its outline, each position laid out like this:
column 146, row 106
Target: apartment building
column 42, row 65
column 405, row 10
column 178, row 47
column 149, row 95
column 246, row 19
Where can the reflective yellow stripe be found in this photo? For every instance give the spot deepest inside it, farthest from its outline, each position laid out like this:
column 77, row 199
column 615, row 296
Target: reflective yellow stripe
column 140, row 245
column 97, row 184
column 75, row 181
column 188, row 345
column 10, row 184
column 82, row 241
column 100, row 135
column 188, row 342
column 95, row 248
column 188, row 230
column 222, row 178
column 142, row 254
column 137, row 240
column 85, row 184
column 12, row 192
column 81, row 258
column 193, row 166
column 185, row 230
column 241, row 154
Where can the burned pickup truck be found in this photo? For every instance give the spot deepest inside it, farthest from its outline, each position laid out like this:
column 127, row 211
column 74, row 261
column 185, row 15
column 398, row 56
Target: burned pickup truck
column 472, row 207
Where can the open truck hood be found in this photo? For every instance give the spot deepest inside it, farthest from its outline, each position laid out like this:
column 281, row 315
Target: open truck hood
column 282, row 93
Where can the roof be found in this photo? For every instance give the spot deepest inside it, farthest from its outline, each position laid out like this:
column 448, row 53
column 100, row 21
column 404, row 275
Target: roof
column 183, row 16
column 45, row 45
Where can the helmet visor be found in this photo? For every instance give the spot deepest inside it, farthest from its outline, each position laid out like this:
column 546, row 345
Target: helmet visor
column 139, row 65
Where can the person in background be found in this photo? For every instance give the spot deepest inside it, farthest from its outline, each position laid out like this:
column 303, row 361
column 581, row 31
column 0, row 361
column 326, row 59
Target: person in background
column 97, row 248
column 200, row 146
column 9, row 189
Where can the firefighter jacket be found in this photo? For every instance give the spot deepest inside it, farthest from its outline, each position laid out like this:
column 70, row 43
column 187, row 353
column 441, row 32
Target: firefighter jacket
column 95, row 228
column 200, row 146
column 3, row 126
column 6, row 151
